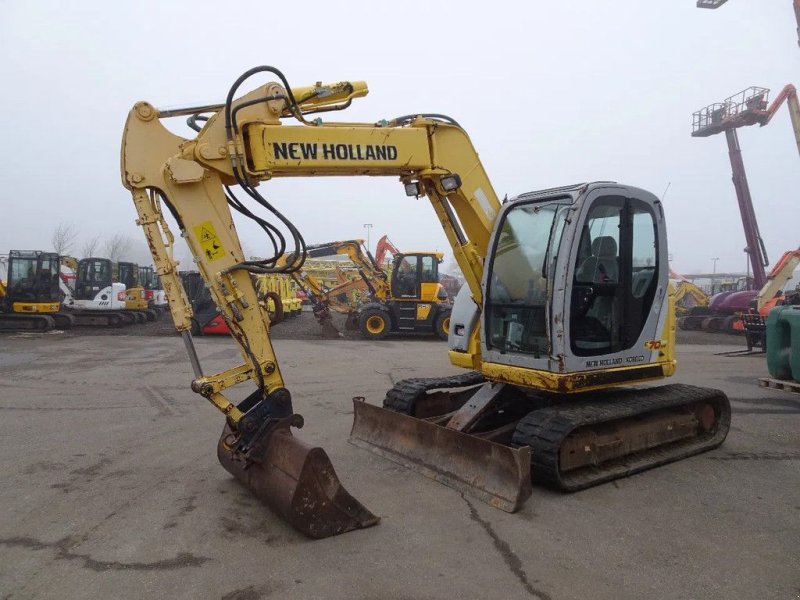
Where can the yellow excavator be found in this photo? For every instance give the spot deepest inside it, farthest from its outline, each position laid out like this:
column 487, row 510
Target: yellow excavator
column 410, row 300
column 567, row 306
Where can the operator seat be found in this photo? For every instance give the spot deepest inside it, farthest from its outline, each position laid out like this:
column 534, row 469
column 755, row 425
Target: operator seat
column 601, row 266
column 594, row 332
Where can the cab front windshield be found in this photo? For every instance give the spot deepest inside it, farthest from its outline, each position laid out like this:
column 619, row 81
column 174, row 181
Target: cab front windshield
column 518, row 283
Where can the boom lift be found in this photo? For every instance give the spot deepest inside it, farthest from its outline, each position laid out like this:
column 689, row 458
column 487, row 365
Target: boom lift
column 749, row 107
column 567, row 298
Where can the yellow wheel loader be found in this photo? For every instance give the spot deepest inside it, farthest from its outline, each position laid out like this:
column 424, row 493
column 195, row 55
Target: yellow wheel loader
column 410, row 300
column 567, row 306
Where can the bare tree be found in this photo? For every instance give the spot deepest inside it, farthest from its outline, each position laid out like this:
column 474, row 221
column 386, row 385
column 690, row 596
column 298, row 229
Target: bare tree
column 63, row 237
column 116, row 246
column 90, row 246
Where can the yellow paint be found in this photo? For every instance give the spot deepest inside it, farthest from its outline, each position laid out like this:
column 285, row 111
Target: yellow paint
column 423, row 310
column 568, row 383
column 429, row 291
column 376, row 324
column 209, row 241
column 36, row 307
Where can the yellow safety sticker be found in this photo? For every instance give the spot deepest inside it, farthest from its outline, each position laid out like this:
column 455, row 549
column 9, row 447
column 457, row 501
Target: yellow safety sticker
column 209, row 241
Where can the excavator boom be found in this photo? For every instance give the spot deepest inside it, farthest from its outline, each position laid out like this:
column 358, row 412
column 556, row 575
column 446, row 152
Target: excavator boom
column 531, row 322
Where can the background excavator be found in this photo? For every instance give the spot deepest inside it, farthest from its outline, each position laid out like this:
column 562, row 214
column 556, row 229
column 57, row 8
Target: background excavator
column 409, row 299
column 135, row 299
column 30, row 298
column 153, row 293
column 567, row 299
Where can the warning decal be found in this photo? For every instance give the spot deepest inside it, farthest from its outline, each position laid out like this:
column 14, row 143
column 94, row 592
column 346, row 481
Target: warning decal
column 209, row 241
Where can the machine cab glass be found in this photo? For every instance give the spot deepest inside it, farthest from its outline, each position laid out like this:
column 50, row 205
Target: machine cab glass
column 411, row 271
column 520, row 278
column 614, row 276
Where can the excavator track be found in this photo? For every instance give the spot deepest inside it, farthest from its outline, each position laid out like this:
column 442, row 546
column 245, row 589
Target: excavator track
column 621, row 432
column 575, row 442
column 26, row 322
column 406, row 393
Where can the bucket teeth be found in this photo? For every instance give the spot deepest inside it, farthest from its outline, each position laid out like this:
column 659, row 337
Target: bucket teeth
column 298, row 482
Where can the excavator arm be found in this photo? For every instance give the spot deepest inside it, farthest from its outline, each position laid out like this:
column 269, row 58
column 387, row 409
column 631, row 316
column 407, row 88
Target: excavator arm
column 373, row 278
column 383, row 248
column 553, row 326
column 244, row 142
column 338, row 297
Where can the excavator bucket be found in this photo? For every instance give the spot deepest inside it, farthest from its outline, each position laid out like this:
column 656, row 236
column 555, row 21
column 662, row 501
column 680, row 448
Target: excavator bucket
column 299, row 483
column 325, row 321
column 496, row 474
column 329, row 330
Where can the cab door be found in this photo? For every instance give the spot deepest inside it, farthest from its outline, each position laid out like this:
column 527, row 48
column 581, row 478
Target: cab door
column 618, row 280
column 406, row 277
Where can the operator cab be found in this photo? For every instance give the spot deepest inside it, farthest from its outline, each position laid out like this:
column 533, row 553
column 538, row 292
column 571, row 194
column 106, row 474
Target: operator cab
column 415, row 276
column 94, row 275
column 575, row 279
column 32, row 277
column 129, row 274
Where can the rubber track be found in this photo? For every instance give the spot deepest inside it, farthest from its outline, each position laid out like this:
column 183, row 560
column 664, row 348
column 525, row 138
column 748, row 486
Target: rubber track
column 545, row 430
column 405, row 393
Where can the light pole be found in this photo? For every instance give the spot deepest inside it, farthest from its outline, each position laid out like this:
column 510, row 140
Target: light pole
column 714, row 275
column 368, row 226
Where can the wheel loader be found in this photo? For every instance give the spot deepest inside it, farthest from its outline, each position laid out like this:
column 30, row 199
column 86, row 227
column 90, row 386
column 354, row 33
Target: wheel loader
column 567, row 307
column 410, row 300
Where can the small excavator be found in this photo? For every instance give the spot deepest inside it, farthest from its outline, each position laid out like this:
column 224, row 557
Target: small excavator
column 30, row 299
column 135, row 299
column 153, row 294
column 567, row 307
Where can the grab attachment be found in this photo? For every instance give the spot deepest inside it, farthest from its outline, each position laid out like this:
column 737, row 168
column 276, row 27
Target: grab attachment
column 296, row 480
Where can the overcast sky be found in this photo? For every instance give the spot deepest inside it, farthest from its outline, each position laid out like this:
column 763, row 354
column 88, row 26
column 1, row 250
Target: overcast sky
column 551, row 93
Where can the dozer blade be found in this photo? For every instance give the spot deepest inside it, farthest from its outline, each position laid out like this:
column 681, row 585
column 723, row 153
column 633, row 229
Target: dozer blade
column 496, row 474
column 299, row 483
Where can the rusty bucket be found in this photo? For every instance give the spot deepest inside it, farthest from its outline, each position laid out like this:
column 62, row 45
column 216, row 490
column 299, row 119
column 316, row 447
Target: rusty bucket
column 299, row 483
column 496, row 474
